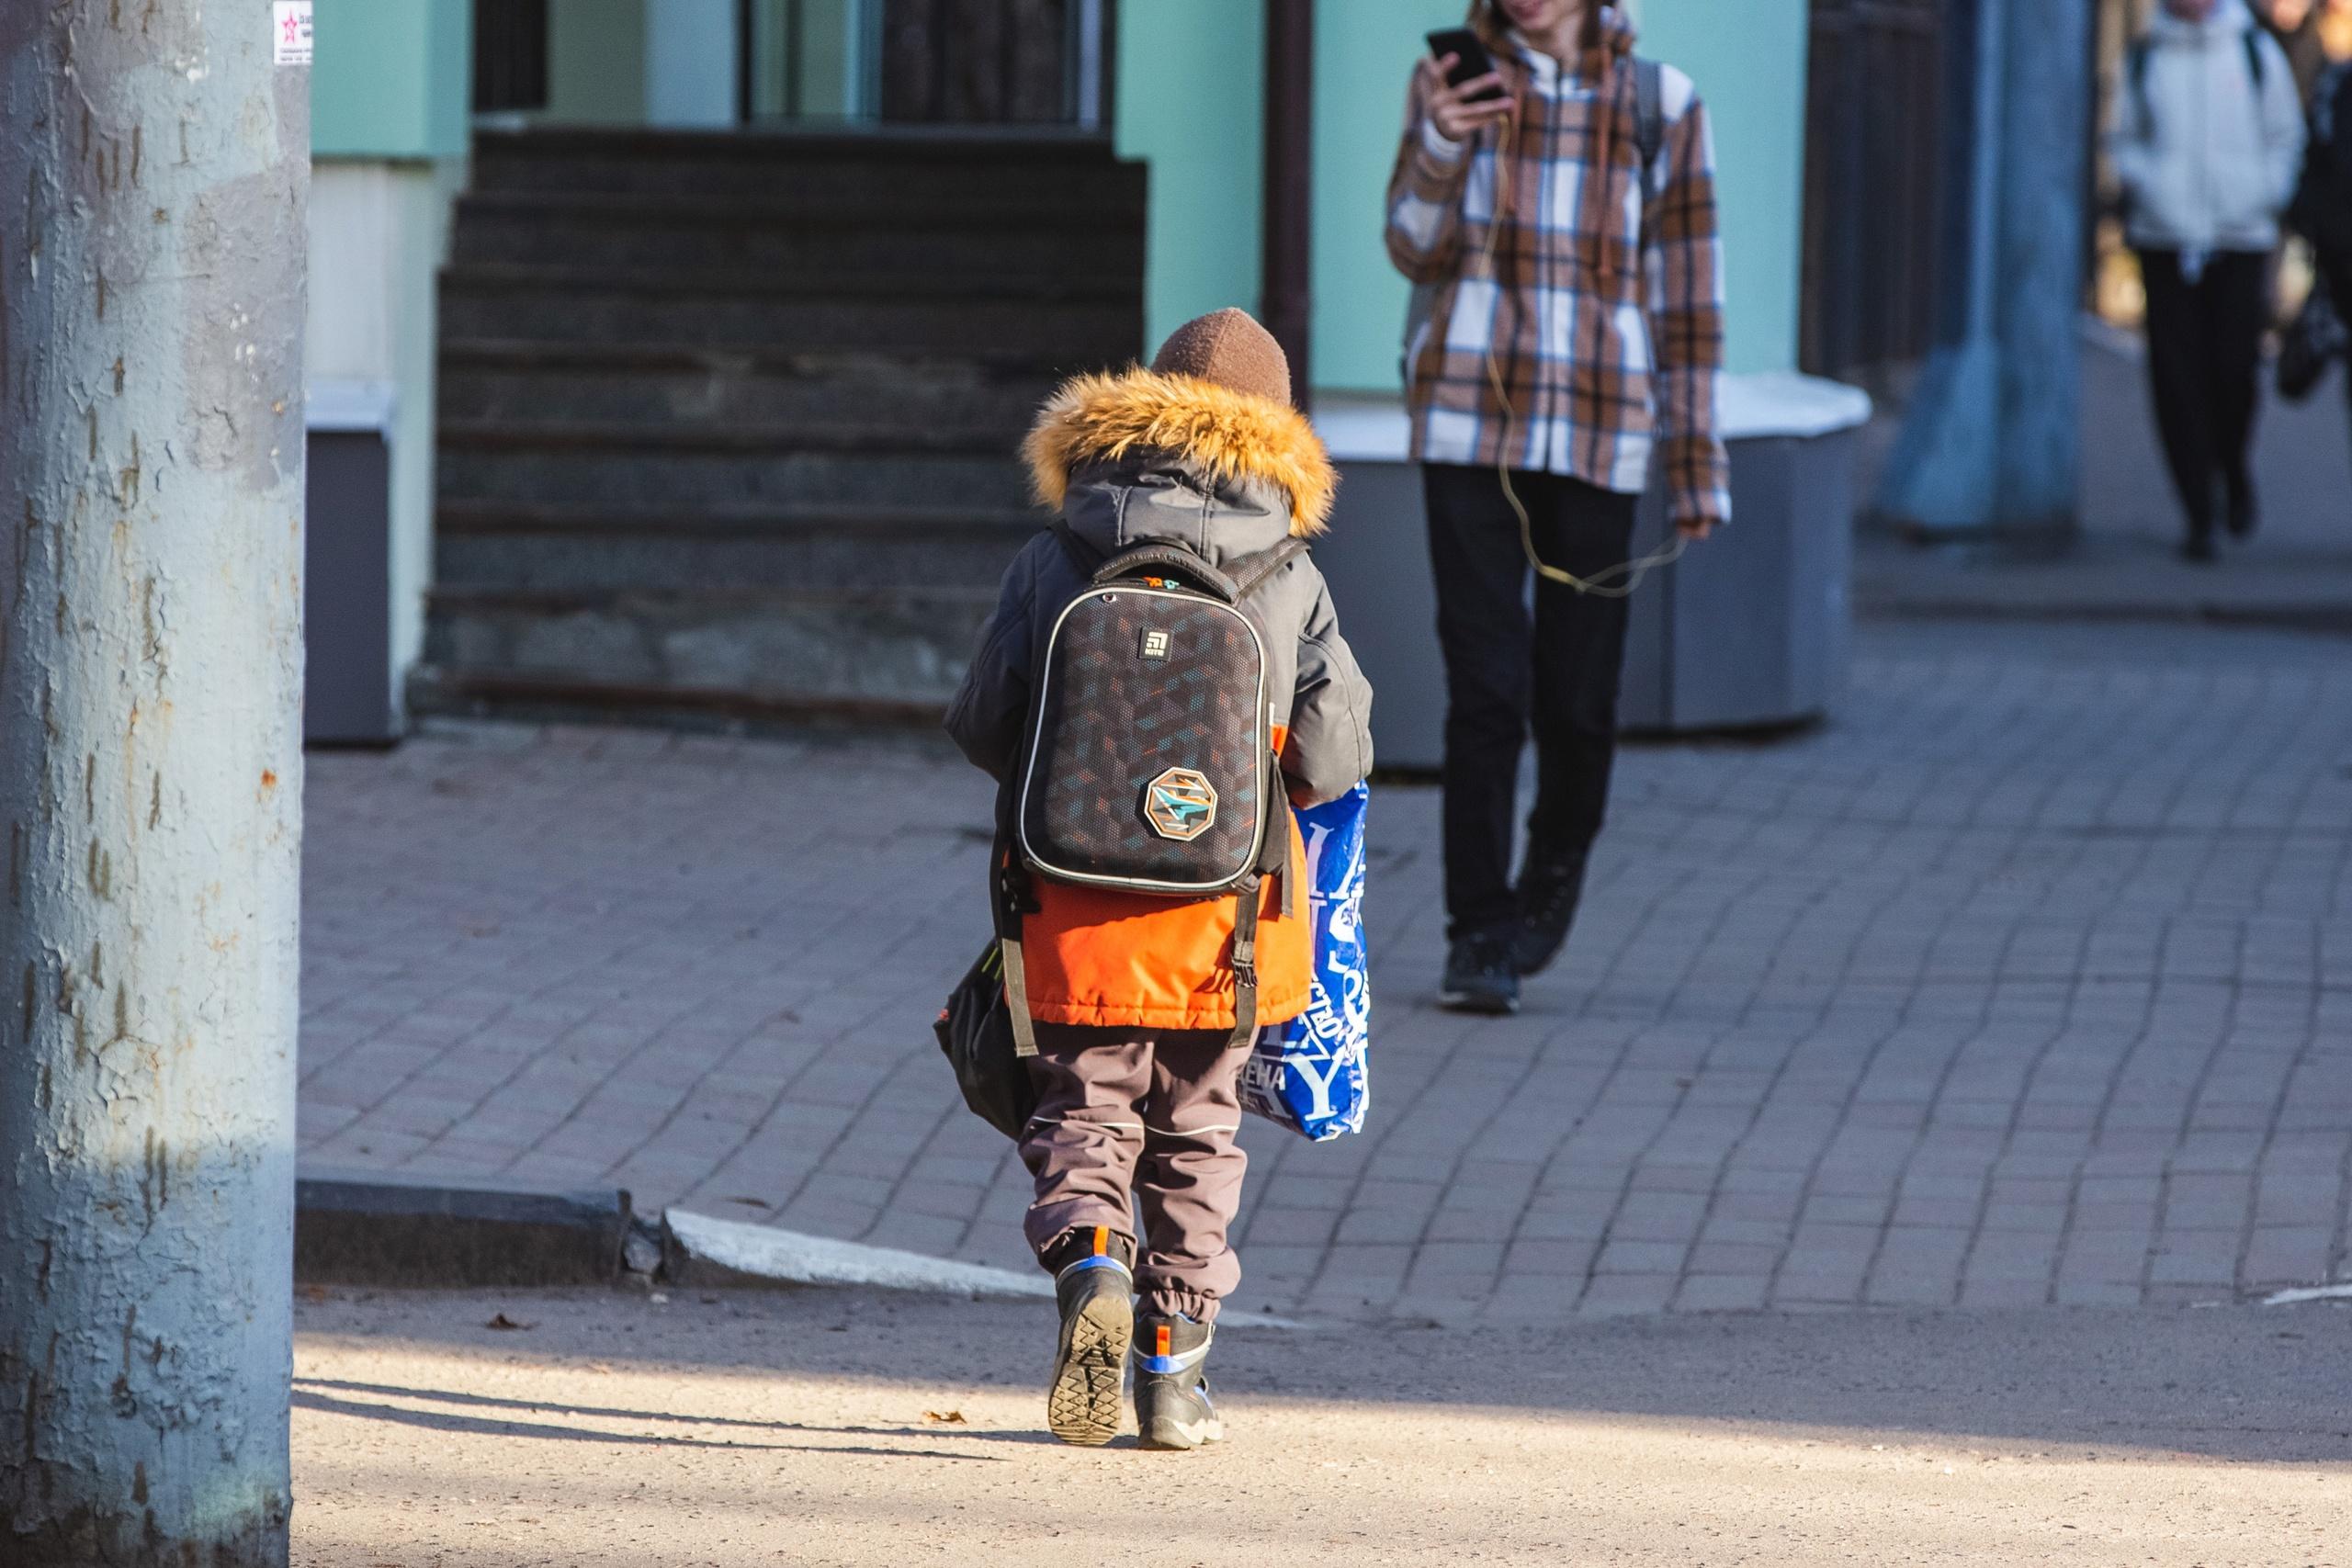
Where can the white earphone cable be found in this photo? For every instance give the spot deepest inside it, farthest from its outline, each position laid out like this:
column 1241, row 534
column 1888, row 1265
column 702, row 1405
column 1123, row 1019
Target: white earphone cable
column 1605, row 584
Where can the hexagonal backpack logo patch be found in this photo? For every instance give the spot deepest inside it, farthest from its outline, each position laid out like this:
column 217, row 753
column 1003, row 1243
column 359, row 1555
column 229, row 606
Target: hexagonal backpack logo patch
column 1181, row 804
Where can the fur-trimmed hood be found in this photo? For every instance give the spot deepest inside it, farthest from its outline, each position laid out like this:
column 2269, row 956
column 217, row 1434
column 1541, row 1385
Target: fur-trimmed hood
column 1223, row 435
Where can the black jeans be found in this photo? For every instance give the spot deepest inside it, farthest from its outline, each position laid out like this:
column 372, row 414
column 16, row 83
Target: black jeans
column 2204, row 364
column 1562, row 672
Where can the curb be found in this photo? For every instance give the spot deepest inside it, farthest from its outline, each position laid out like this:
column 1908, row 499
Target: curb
column 2324, row 619
column 702, row 1251
column 370, row 1228
column 699, row 1250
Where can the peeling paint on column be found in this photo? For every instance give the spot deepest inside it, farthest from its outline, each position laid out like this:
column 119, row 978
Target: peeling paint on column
column 151, row 441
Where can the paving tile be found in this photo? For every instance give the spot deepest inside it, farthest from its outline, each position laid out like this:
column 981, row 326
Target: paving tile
column 1962, row 998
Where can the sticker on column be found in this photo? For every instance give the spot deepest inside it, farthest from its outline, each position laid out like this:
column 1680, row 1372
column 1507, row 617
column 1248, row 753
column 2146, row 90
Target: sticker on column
column 291, row 30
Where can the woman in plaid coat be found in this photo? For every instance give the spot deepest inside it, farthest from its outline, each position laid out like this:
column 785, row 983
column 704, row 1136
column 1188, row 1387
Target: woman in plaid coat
column 1574, row 344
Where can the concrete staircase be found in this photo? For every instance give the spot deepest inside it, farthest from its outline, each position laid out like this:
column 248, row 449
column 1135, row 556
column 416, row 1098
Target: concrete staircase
column 729, row 423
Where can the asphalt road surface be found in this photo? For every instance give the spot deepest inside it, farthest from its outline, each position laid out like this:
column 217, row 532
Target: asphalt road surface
column 822, row 1427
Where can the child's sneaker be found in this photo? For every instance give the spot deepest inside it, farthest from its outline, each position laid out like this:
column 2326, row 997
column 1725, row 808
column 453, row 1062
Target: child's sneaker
column 1094, row 1281
column 1173, row 1409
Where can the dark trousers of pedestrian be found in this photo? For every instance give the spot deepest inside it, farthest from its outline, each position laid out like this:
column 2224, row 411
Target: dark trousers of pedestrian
column 1556, row 671
column 2205, row 366
column 1142, row 1115
column 2339, row 289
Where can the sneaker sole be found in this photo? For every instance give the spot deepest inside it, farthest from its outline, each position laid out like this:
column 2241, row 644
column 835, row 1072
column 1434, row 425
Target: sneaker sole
column 1083, row 1407
column 1488, row 1006
column 1165, row 1436
column 1531, row 964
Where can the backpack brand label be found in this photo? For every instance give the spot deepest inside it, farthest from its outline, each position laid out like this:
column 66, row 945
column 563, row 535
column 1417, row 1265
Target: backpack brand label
column 1181, row 804
column 1155, row 646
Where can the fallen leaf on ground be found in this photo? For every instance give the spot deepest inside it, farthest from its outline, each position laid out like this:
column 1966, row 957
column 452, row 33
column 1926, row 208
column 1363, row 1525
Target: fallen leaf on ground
column 946, row 1418
column 502, row 1321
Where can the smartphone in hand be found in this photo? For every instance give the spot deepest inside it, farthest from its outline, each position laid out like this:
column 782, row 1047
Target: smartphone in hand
column 1471, row 60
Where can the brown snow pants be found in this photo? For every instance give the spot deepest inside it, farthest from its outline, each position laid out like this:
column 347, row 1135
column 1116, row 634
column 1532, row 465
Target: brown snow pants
column 1128, row 1114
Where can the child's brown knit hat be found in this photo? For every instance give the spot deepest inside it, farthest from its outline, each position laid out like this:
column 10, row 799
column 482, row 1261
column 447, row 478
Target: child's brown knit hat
column 1231, row 349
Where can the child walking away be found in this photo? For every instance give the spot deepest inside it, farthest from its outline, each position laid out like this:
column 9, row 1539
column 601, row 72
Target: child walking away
column 1162, row 679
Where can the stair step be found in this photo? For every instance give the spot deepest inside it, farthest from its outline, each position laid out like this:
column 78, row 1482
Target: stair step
column 822, row 284
column 946, row 262
column 523, row 697
column 714, row 439
column 906, row 173
column 657, row 234
column 644, row 481
column 1075, row 329
column 899, row 646
column 547, row 549
column 507, row 382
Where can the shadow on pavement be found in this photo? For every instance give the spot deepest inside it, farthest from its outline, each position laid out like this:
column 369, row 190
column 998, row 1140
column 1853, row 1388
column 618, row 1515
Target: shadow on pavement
column 2234, row 1383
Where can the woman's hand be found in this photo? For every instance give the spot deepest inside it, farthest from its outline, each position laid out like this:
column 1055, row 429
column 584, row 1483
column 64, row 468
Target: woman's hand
column 1458, row 117
column 1695, row 529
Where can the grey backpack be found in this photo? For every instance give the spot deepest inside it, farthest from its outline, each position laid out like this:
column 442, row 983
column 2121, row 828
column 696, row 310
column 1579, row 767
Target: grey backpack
column 1649, row 139
column 1149, row 764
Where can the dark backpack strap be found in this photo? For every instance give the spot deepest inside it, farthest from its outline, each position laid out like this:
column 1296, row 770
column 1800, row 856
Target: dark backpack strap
column 1088, row 559
column 2257, row 64
column 1011, row 898
column 1649, row 117
column 1253, row 572
column 1148, row 560
column 1245, row 966
column 2136, row 66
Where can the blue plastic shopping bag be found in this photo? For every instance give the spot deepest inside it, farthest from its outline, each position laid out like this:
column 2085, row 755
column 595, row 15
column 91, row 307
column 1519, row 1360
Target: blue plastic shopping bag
column 1310, row 1075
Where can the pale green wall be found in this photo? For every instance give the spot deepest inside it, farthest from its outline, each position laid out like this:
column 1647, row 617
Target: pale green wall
column 1748, row 59
column 1190, row 91
column 1364, row 52
column 393, row 79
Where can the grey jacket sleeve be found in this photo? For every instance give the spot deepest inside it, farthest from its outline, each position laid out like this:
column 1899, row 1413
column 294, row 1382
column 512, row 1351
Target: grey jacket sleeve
column 1328, row 751
column 991, row 709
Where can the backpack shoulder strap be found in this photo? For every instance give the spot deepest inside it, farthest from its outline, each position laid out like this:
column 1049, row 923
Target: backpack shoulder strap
column 1649, row 105
column 1087, row 560
column 2258, row 63
column 1173, row 558
column 2136, row 66
column 1253, row 572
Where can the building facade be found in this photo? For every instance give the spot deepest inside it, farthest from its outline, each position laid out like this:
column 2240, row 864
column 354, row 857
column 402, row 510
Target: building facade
column 417, row 104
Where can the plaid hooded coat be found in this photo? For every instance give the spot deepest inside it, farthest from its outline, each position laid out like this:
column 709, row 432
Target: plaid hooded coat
column 1600, row 297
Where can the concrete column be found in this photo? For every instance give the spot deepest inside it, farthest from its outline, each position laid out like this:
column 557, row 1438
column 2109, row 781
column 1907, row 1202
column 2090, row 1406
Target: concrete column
column 1992, row 449
column 690, row 68
column 154, row 174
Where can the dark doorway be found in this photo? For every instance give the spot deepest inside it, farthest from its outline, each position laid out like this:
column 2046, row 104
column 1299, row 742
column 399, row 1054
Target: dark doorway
column 997, row 61
column 510, row 55
column 1874, row 168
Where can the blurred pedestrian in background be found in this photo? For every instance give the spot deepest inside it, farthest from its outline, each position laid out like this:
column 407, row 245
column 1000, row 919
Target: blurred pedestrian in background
column 1562, row 210
column 2323, row 207
column 2316, row 34
column 2207, row 141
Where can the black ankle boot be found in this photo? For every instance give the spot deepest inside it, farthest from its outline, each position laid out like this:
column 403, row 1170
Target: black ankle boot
column 1094, row 1284
column 1173, row 1409
column 1550, row 888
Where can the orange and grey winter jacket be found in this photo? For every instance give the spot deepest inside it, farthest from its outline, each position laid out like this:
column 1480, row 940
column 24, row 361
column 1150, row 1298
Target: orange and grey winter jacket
column 1141, row 458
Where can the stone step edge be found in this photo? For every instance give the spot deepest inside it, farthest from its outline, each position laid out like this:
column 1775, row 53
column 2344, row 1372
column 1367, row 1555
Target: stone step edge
column 700, row 1250
column 383, row 1229
column 690, row 437
column 495, row 519
column 446, row 690
column 1038, row 292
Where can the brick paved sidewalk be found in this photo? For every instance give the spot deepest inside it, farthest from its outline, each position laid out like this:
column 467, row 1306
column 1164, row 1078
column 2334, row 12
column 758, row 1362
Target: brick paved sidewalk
column 2030, row 980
